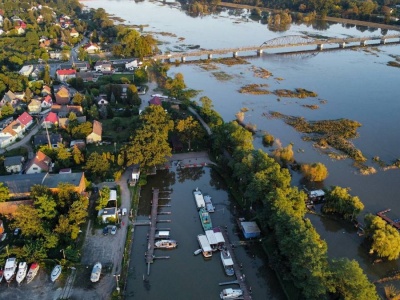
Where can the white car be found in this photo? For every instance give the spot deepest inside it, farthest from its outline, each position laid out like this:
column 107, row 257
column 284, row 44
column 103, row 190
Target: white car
column 124, row 211
column 114, row 230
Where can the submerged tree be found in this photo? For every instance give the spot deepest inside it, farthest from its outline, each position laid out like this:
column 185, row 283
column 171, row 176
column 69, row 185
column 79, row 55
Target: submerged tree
column 338, row 200
column 315, row 171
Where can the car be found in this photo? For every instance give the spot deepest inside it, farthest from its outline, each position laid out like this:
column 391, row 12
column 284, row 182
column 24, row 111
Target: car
column 105, row 230
column 124, row 211
column 114, row 230
column 17, row 231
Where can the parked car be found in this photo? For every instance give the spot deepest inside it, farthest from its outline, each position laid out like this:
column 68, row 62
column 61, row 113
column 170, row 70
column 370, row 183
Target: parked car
column 17, row 231
column 124, row 211
column 105, row 230
column 114, row 230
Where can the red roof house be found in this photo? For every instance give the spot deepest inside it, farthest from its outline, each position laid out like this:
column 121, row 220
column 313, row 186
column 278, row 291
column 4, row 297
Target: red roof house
column 50, row 120
column 64, row 75
column 25, row 119
column 155, row 101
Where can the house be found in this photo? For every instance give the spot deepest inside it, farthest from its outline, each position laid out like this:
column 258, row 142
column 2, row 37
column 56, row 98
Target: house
column 35, row 106
column 108, row 212
column 10, row 98
column 74, row 33
column 26, row 70
column 19, row 29
column 155, row 101
column 250, row 229
column 42, row 139
column 45, row 44
column 38, row 164
column 86, row 76
column 135, row 174
column 113, row 195
column 10, row 133
column 47, row 102
column 132, row 65
column 5, row 122
column 20, row 185
column 25, row 119
column 79, row 143
column 81, row 66
column 64, row 75
column 103, row 66
column 63, row 110
column 65, row 171
column 65, row 66
column 46, row 90
column 13, row 164
column 50, row 120
column 91, row 48
column 55, row 55
column 62, row 96
column 95, row 136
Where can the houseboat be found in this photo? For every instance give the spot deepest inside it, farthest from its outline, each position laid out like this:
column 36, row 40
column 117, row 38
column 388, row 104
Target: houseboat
column 162, row 234
column 166, row 244
column 205, row 219
column 22, row 270
column 231, row 293
column 96, row 272
column 227, row 262
column 212, row 239
column 33, row 270
column 198, row 197
column 209, row 206
column 55, row 273
column 10, row 269
column 204, row 245
column 219, row 237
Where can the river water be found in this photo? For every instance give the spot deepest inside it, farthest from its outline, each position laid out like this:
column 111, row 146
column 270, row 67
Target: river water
column 355, row 84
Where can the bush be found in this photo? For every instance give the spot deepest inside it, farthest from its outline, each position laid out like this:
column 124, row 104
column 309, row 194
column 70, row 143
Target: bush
column 315, row 171
column 268, row 139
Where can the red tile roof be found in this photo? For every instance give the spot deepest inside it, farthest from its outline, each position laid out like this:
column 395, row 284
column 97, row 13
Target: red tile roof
column 24, row 119
column 66, row 72
column 52, row 118
column 155, row 101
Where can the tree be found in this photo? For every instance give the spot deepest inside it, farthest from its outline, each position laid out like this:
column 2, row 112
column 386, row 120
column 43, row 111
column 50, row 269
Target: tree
column 103, row 199
column 315, row 171
column 4, row 192
column 348, row 281
column 338, row 200
column 189, row 129
column 385, row 239
column 132, row 95
column 7, row 110
column 285, row 154
column 175, row 86
column 45, row 206
column 63, row 156
column 78, row 98
column 77, row 155
column 96, row 165
column 93, row 112
column 27, row 218
column 46, row 75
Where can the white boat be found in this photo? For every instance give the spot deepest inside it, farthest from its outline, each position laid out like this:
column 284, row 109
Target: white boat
column 55, row 273
column 10, row 268
column 198, row 197
column 162, row 234
column 205, row 246
column 1, row 275
column 33, row 270
column 197, row 252
column 209, row 206
column 231, row 293
column 22, row 270
column 166, row 244
column 227, row 262
column 95, row 276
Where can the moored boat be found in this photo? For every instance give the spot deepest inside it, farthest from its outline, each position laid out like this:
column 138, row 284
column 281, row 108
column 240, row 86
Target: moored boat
column 33, row 270
column 205, row 246
column 198, row 197
column 209, row 206
column 227, row 262
column 1, row 275
column 231, row 293
column 166, row 244
column 22, row 270
column 197, row 252
column 10, row 269
column 55, row 273
column 96, row 272
column 205, row 219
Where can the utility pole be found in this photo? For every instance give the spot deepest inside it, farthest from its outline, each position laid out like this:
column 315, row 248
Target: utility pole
column 117, row 279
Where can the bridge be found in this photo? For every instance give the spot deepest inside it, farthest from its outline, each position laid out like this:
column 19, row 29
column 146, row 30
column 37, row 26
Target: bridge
column 292, row 41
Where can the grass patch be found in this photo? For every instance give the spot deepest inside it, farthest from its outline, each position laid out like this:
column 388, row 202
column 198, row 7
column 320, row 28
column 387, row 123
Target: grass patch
column 311, row 106
column 255, row 89
column 261, row 72
column 297, row 93
column 222, row 76
column 233, row 61
column 208, row 66
column 393, row 64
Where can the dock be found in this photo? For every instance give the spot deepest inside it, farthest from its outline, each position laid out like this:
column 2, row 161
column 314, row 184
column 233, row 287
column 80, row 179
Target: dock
column 394, row 223
column 241, row 280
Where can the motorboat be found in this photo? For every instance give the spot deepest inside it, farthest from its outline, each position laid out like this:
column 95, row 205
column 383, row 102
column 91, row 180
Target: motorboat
column 197, row 252
column 33, row 270
column 166, row 244
column 55, row 273
column 209, row 206
column 22, row 270
column 10, row 269
column 231, row 293
column 205, row 246
column 205, row 219
column 227, row 262
column 96, row 272
column 198, row 197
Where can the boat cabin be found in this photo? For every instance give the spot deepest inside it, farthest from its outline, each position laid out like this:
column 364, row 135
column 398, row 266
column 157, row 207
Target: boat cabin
column 198, row 196
column 316, row 196
column 205, row 246
column 162, row 234
column 211, row 239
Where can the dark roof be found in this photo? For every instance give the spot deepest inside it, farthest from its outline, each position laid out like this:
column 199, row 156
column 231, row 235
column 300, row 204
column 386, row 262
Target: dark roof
column 21, row 184
column 13, row 161
column 41, row 139
column 52, row 180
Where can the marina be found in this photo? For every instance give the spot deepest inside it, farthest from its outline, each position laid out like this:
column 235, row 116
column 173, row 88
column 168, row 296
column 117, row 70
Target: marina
column 165, row 244
column 227, row 262
column 394, row 223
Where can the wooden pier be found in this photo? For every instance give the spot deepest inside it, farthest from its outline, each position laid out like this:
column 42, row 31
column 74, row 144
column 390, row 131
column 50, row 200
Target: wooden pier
column 241, row 279
column 152, row 233
column 382, row 214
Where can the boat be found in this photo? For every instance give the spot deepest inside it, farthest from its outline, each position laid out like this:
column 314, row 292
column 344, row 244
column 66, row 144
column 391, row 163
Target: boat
column 219, row 237
column 211, row 239
column 209, row 206
column 231, row 293
column 95, row 276
column 33, row 270
column 227, row 262
column 162, row 234
column 198, row 197
column 10, row 269
column 205, row 219
column 1, row 275
column 55, row 273
column 166, row 244
column 205, row 246
column 197, row 252
column 22, row 270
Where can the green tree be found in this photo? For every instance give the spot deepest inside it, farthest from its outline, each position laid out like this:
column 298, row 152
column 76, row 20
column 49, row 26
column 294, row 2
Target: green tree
column 338, row 200
column 78, row 98
column 103, row 199
column 46, row 75
column 96, row 165
column 285, row 154
column 175, row 86
column 385, row 239
column 315, row 171
column 77, row 155
column 7, row 110
column 93, row 112
column 46, row 206
column 27, row 218
column 189, row 129
column 348, row 281
column 4, row 192
column 63, row 156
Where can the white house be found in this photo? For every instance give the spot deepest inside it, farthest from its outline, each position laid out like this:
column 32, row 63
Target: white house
column 108, row 212
column 103, row 66
column 91, row 48
column 13, row 164
column 38, row 164
column 132, row 65
column 26, row 70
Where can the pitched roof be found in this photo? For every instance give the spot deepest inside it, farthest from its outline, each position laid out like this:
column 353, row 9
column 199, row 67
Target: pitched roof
column 10, row 128
column 155, row 101
column 41, row 139
column 13, row 160
column 63, row 92
column 97, row 127
column 25, row 118
column 41, row 160
column 48, row 99
column 51, row 117
column 66, row 72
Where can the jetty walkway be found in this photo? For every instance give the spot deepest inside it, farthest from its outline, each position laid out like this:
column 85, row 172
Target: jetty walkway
column 241, row 278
